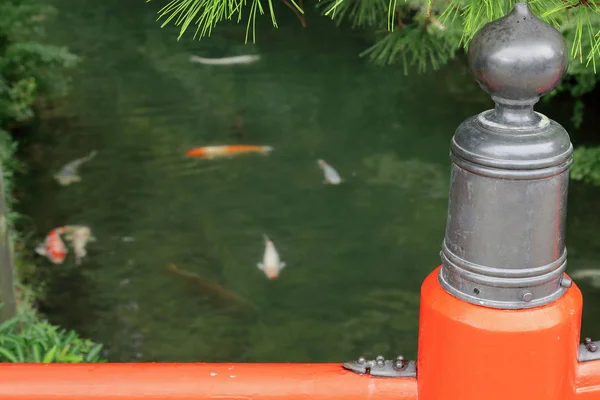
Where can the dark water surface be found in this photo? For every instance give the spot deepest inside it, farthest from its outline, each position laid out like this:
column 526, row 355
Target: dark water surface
column 356, row 253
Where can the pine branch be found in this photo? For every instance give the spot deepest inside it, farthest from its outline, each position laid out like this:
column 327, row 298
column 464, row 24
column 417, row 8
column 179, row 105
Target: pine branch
column 207, row 13
column 579, row 20
column 298, row 14
column 360, row 13
column 422, row 44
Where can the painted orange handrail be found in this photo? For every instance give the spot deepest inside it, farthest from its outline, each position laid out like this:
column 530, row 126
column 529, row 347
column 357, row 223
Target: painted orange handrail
column 196, row 381
column 465, row 352
column 588, row 380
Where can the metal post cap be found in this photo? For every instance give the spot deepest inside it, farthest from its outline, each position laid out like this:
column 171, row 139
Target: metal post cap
column 518, row 57
column 504, row 245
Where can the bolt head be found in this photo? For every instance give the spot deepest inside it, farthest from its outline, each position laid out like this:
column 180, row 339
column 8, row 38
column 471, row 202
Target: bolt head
column 398, row 364
column 400, row 358
column 566, row 282
column 380, row 358
column 587, row 340
column 527, row 297
column 592, row 347
column 362, row 360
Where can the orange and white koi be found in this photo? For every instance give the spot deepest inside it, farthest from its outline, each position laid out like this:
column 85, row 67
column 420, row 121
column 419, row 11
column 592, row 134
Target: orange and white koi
column 53, row 247
column 227, row 151
column 271, row 265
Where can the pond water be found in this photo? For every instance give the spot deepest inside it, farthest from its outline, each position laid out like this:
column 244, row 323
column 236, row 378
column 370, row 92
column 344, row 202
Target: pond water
column 356, row 253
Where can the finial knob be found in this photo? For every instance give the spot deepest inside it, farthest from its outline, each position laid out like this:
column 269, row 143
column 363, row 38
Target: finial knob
column 518, row 58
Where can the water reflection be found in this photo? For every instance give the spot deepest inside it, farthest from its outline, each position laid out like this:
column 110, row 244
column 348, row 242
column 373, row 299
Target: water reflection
column 356, row 252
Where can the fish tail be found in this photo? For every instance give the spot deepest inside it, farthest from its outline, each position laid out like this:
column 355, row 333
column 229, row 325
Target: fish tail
column 91, row 155
column 197, row 59
column 41, row 249
column 172, row 267
column 197, row 152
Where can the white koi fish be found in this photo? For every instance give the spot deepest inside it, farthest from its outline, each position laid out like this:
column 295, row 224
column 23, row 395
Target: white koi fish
column 69, row 174
column 592, row 274
column 331, row 175
column 79, row 236
column 271, row 265
column 245, row 59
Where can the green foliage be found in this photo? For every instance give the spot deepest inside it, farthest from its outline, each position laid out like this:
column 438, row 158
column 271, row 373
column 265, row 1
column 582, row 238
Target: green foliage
column 586, row 167
column 26, row 338
column 208, row 13
column 414, row 32
column 30, row 71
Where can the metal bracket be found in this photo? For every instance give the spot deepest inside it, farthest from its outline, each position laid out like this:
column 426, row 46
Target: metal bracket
column 381, row 367
column 589, row 350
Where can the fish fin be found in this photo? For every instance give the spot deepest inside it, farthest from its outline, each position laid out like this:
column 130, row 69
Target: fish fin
column 92, row 154
column 260, row 266
column 282, row 265
column 41, row 250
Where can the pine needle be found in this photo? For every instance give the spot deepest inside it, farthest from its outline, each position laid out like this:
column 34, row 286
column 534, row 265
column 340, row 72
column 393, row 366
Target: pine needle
column 206, row 14
column 578, row 20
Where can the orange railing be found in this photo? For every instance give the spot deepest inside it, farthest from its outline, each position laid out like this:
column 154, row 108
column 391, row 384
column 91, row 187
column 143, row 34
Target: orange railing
column 465, row 352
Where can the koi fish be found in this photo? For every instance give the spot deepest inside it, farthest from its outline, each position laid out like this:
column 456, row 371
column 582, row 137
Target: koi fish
column 209, row 287
column 79, row 236
column 69, row 174
column 245, row 59
column 226, row 151
column 331, row 175
column 592, row 274
column 53, row 247
column 271, row 265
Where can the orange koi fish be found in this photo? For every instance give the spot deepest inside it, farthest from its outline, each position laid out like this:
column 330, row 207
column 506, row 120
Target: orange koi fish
column 226, row 151
column 53, row 247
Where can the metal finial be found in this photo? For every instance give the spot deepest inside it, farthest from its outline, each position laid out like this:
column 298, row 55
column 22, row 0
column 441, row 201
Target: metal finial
column 517, row 59
column 505, row 234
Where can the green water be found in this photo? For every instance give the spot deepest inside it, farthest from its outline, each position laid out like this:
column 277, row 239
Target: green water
column 356, row 253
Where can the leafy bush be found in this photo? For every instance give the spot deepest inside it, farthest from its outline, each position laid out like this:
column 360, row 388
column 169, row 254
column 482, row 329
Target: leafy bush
column 30, row 72
column 26, row 339
column 587, row 165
